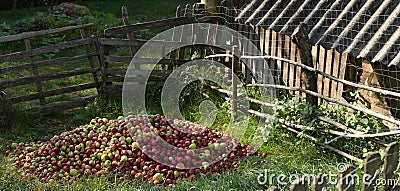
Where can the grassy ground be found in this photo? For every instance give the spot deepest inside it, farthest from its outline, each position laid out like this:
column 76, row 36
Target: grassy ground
column 286, row 153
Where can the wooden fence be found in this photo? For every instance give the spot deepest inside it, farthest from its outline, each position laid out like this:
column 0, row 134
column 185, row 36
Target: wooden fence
column 36, row 59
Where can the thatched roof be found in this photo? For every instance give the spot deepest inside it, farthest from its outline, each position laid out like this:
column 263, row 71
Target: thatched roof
column 364, row 28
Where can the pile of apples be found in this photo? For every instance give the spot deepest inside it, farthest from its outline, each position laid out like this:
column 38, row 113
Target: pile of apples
column 118, row 147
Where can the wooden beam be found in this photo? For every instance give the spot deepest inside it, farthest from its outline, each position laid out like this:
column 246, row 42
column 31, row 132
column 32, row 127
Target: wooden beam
column 44, row 50
column 26, row 35
column 46, row 77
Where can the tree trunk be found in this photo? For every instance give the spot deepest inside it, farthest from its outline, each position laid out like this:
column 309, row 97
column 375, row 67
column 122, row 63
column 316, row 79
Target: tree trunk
column 300, row 37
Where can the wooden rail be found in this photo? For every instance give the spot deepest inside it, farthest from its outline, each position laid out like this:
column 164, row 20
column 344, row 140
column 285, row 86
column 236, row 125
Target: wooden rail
column 85, row 64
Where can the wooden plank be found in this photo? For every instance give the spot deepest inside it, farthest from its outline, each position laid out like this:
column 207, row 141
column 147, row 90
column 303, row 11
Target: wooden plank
column 328, row 70
column 45, row 77
column 65, row 105
column 26, row 35
column 279, row 48
column 346, row 179
column 390, row 166
column 371, row 171
column 139, row 42
column 342, row 72
column 315, row 58
column 321, row 66
column 319, row 183
column 286, row 54
column 35, row 71
column 298, row 69
column 268, row 51
column 135, row 79
column 47, row 49
column 45, row 63
column 122, row 71
column 49, row 93
column 150, row 25
column 335, row 73
column 261, row 34
column 128, row 59
column 299, row 185
column 273, row 52
column 292, row 68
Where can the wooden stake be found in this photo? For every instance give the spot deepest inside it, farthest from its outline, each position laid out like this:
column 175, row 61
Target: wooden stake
column 235, row 62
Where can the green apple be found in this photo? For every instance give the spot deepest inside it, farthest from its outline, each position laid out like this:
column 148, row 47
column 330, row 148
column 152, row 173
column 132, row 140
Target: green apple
column 192, row 146
column 128, row 140
column 73, row 172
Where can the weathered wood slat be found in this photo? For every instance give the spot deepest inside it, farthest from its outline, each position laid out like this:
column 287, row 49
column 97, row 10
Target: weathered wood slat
column 274, row 63
column 321, row 66
column 328, row 70
column 346, row 179
column 128, row 59
column 139, row 42
column 335, row 73
column 292, row 68
column 122, row 71
column 45, row 77
column 45, row 63
column 371, row 171
column 26, row 35
column 342, row 73
column 390, row 166
column 153, row 24
column 49, row 93
column 298, row 70
column 44, row 50
column 286, row 54
column 134, row 79
column 65, row 105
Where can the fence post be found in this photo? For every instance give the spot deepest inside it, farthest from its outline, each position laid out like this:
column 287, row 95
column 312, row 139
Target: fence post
column 35, row 70
column 211, row 5
column 90, row 59
column 319, row 183
column 273, row 188
column 346, row 179
column 300, row 37
column 125, row 18
column 235, row 61
column 299, row 185
column 371, row 171
column 390, row 166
